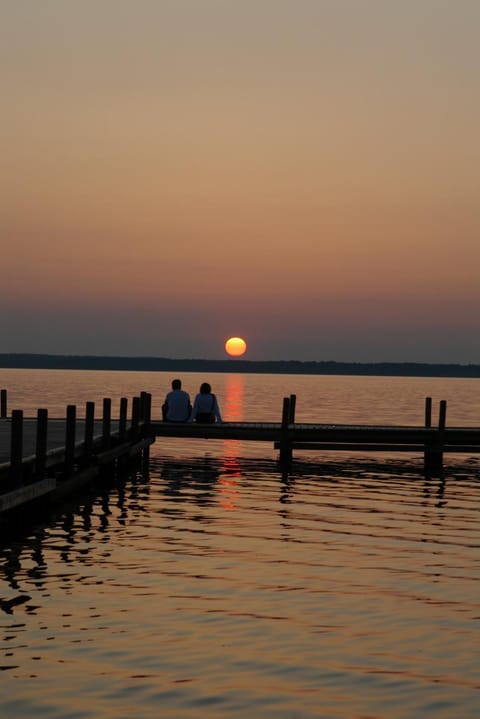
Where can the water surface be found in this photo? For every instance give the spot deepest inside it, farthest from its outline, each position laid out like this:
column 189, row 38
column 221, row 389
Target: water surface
column 215, row 585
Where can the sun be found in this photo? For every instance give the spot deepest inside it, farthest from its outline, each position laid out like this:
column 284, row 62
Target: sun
column 235, row 346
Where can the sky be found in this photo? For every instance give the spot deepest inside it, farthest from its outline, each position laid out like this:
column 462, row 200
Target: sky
column 300, row 173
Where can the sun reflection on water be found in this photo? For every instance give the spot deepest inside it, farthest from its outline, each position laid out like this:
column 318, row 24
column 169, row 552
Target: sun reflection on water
column 230, row 467
column 234, row 393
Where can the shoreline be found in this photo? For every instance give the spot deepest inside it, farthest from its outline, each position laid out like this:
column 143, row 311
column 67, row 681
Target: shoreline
column 164, row 364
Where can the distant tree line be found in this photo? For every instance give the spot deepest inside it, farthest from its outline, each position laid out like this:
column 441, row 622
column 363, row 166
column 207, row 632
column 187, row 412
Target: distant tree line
column 164, row 364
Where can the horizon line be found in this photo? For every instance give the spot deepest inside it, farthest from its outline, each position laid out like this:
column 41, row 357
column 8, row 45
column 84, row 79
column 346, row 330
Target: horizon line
column 229, row 360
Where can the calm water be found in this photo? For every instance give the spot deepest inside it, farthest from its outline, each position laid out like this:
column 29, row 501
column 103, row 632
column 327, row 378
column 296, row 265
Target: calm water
column 215, row 586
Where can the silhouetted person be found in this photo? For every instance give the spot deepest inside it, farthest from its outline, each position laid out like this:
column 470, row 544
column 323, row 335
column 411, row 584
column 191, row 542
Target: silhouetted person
column 205, row 407
column 176, row 407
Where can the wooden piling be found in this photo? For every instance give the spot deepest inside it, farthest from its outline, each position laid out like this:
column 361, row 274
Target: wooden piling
column 442, row 419
column 442, row 415
column 135, row 418
column 106, row 422
column 89, row 430
column 123, row 460
column 433, row 455
column 147, row 415
column 143, row 405
column 70, row 440
column 16, row 446
column 428, row 411
column 291, row 411
column 122, row 423
column 428, row 423
column 41, row 443
column 286, row 453
column 3, row 404
column 146, row 408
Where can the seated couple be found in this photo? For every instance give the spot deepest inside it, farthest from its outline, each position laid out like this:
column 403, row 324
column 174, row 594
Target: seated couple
column 177, row 407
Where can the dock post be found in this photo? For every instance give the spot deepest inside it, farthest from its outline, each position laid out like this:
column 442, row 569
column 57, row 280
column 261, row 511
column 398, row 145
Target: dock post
column 427, row 450
column 89, row 429
column 41, row 442
column 428, row 411
column 122, row 423
column 106, row 423
column 291, row 411
column 442, row 420
column 146, row 409
column 147, row 415
column 16, row 446
column 434, row 452
column 285, row 446
column 70, row 440
column 135, row 418
column 3, row 403
column 143, row 405
column 442, row 417
column 122, row 461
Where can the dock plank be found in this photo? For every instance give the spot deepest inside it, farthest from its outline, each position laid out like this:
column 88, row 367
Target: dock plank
column 301, row 435
column 320, row 433
column 55, row 436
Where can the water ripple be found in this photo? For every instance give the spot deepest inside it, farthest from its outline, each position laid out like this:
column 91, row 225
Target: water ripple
column 211, row 588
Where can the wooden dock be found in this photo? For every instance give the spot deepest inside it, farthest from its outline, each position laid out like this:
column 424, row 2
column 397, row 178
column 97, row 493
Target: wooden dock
column 430, row 441
column 49, row 457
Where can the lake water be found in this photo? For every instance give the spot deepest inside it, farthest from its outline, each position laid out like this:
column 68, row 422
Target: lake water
column 217, row 586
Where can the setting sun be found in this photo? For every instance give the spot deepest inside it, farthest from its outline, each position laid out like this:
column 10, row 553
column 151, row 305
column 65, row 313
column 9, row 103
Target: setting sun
column 235, row 346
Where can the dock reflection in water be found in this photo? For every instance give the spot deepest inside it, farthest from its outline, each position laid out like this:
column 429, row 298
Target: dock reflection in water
column 218, row 587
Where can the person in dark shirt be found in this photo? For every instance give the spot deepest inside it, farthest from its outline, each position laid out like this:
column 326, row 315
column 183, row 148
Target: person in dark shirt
column 176, row 407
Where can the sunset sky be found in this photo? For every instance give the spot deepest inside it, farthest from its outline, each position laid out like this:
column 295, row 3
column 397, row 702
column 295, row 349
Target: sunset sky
column 304, row 174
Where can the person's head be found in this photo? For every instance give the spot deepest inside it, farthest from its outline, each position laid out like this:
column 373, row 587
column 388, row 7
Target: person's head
column 205, row 388
column 177, row 384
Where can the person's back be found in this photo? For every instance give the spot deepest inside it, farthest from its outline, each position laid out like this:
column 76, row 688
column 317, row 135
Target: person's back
column 177, row 405
column 205, row 407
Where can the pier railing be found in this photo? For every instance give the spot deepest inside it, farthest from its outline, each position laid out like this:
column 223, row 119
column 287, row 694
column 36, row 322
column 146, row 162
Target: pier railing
column 46, row 455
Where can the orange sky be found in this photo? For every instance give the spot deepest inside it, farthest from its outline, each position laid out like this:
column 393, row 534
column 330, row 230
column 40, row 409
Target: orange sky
column 301, row 173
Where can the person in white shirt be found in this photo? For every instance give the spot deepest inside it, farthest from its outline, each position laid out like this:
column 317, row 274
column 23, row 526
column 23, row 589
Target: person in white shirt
column 205, row 407
column 176, row 407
